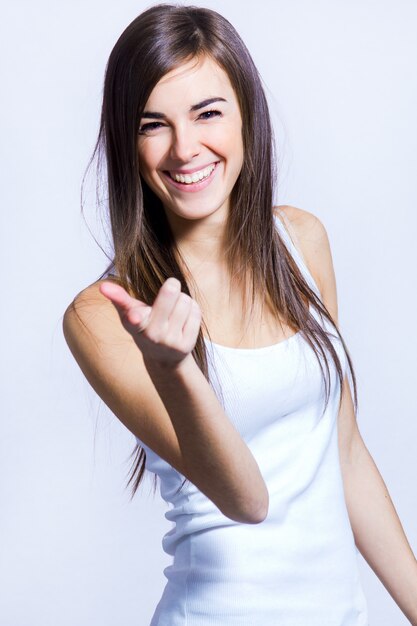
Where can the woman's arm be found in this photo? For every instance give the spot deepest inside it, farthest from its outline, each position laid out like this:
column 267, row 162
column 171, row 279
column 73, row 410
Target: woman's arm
column 171, row 409
column 376, row 527
column 213, row 452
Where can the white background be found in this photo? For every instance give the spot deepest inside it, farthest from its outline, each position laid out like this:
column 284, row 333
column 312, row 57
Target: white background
column 341, row 78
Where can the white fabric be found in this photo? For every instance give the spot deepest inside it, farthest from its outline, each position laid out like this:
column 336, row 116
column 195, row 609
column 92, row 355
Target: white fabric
column 300, row 566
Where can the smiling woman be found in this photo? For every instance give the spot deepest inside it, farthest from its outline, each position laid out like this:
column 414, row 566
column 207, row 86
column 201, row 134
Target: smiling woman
column 253, row 436
column 209, row 140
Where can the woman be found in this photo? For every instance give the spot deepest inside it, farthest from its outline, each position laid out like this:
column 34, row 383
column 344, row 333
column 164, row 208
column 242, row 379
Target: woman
column 213, row 337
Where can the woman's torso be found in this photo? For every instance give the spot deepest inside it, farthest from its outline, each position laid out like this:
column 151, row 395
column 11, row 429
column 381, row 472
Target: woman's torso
column 299, row 567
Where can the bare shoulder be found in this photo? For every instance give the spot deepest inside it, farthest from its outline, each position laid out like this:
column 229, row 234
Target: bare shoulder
column 90, row 301
column 315, row 247
column 87, row 317
column 307, row 225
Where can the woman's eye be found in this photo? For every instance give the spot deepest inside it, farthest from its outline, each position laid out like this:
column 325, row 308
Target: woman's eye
column 210, row 114
column 150, row 126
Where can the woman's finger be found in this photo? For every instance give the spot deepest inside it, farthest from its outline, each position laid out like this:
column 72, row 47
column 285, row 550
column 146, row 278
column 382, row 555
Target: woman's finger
column 192, row 324
column 140, row 320
column 164, row 304
column 132, row 311
column 179, row 315
column 119, row 296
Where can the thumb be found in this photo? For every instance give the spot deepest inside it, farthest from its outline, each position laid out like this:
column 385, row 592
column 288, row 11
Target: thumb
column 117, row 295
column 131, row 311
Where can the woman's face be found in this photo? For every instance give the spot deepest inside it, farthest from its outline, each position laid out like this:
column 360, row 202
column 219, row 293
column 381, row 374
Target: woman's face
column 192, row 127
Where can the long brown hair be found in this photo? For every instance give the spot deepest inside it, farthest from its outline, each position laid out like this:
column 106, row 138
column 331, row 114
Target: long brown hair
column 145, row 252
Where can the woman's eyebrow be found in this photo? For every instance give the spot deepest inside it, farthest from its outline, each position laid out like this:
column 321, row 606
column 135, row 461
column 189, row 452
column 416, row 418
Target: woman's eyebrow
column 195, row 107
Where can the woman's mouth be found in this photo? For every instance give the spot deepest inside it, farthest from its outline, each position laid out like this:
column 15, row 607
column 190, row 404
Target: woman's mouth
column 192, row 182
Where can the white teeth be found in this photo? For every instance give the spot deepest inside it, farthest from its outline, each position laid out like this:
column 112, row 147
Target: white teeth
column 195, row 177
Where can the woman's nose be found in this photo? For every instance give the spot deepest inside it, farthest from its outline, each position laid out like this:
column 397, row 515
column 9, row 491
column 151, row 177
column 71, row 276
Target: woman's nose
column 185, row 144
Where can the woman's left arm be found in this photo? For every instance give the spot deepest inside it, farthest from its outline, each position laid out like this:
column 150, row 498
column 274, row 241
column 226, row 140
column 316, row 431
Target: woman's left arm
column 377, row 529
column 378, row 533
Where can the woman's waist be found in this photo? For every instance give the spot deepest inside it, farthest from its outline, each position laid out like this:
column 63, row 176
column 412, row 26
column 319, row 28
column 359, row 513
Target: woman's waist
column 272, row 559
column 287, row 534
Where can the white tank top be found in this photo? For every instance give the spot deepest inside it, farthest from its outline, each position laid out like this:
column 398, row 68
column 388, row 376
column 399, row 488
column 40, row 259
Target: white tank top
column 299, row 567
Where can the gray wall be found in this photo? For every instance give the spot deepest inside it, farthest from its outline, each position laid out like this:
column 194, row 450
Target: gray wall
column 341, row 80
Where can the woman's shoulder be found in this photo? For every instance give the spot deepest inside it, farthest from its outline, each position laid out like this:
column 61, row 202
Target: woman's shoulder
column 309, row 236
column 92, row 292
column 301, row 220
column 313, row 243
column 86, row 305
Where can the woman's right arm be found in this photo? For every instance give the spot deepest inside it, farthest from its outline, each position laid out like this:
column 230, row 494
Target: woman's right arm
column 153, row 385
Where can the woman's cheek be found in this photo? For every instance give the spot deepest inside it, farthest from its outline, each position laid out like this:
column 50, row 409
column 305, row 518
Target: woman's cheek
column 223, row 138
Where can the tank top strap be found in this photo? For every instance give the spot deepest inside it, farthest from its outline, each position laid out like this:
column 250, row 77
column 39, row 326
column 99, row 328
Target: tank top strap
column 110, row 272
column 289, row 236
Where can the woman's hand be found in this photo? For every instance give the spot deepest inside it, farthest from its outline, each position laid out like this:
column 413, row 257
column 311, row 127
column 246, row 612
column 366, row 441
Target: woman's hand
column 165, row 332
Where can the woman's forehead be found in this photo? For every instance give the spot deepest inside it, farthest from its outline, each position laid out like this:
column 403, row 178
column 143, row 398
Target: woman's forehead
column 191, row 78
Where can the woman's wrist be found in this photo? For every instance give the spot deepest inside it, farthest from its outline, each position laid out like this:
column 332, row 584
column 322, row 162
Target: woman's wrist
column 171, row 368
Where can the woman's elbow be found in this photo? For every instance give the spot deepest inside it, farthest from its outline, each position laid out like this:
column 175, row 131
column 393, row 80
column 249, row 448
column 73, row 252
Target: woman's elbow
column 255, row 514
